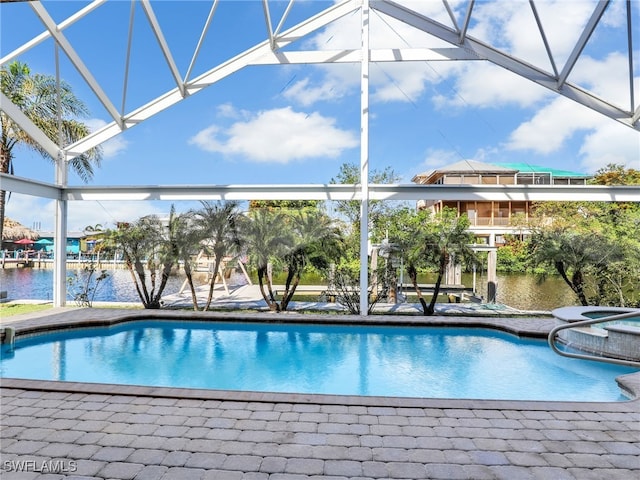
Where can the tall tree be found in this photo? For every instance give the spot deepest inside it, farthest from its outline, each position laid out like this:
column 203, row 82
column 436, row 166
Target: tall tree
column 576, row 256
column 594, row 247
column 268, row 239
column 430, row 241
column 188, row 239
column 51, row 110
column 150, row 251
column 616, row 174
column 220, row 224
column 284, row 205
column 316, row 241
column 350, row 173
column 402, row 228
column 446, row 238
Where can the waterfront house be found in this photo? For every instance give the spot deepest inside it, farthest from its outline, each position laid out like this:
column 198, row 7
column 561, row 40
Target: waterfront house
column 76, row 242
column 491, row 218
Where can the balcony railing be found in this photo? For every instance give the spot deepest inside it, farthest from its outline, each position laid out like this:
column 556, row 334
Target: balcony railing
column 488, row 221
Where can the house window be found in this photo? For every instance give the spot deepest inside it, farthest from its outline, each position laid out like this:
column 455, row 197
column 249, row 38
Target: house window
column 533, row 178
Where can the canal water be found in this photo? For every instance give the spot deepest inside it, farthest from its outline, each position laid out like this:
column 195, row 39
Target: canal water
column 518, row 291
column 37, row 284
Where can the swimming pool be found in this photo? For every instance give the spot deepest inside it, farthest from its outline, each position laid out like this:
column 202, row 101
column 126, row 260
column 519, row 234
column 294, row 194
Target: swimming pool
column 431, row 362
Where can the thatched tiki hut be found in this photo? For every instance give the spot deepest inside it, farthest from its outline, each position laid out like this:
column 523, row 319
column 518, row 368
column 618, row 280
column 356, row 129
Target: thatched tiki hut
column 13, row 230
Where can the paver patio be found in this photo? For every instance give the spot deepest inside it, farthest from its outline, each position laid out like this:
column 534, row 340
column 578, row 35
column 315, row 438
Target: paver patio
column 53, row 430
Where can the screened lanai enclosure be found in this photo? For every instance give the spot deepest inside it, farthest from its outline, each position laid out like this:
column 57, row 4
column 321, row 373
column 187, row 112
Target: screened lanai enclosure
column 385, row 69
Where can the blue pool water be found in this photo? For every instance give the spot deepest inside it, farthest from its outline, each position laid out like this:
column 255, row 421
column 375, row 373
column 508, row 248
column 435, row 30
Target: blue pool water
column 634, row 321
column 353, row 360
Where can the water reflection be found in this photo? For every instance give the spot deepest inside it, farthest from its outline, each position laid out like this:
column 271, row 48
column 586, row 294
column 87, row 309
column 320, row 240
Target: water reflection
column 416, row 362
column 37, row 284
column 302, row 360
column 59, row 361
column 518, row 291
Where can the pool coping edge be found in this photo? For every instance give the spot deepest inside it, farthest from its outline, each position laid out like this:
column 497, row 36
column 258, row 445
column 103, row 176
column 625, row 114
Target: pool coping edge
column 629, row 383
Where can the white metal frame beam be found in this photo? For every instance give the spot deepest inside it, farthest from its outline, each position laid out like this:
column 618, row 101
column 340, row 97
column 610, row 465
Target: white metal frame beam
column 502, row 193
column 75, row 59
column 164, row 46
column 214, row 75
column 582, row 42
column 511, row 63
column 47, row 34
column 28, row 126
column 330, row 192
column 364, row 157
column 26, row 186
column 271, row 52
column 375, row 56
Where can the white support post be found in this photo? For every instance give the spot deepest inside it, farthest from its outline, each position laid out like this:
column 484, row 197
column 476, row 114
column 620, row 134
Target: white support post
column 60, row 234
column 244, row 271
column 492, row 278
column 364, row 160
column 60, row 239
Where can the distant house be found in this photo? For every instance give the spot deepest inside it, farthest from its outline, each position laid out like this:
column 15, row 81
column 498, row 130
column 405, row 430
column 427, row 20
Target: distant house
column 491, row 218
column 75, row 242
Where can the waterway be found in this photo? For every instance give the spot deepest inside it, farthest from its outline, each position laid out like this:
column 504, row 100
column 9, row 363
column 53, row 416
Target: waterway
column 518, row 291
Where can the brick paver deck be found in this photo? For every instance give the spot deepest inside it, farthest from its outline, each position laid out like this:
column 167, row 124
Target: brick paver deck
column 52, row 430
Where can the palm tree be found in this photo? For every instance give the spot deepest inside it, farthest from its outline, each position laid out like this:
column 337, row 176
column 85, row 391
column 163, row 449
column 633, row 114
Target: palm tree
column 39, row 99
column 219, row 224
column 188, row 239
column 317, row 242
column 582, row 259
column 436, row 242
column 150, row 251
column 267, row 238
column 91, row 229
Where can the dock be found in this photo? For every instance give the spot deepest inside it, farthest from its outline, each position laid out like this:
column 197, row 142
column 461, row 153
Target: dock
column 455, row 293
column 16, row 262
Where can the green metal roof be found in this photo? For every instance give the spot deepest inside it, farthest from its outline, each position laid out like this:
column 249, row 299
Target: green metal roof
column 527, row 168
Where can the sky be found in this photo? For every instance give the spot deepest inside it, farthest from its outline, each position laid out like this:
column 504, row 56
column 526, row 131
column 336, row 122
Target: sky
column 298, row 124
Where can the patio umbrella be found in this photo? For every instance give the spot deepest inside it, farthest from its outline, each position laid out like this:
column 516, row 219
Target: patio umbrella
column 44, row 241
column 24, row 241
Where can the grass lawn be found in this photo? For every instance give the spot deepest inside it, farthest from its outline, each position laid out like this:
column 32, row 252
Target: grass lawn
column 8, row 309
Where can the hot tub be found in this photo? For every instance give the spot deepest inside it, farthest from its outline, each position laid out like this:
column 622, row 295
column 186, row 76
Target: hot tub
column 618, row 338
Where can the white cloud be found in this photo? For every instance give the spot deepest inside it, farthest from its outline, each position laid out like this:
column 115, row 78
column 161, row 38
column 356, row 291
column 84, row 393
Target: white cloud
column 483, row 84
column 305, row 93
column 511, row 25
column 551, row 126
column 405, row 82
column 227, row 110
column 435, row 158
column 30, row 211
column 608, row 78
column 39, row 213
column 112, row 147
column 280, row 135
column 604, row 140
column 615, row 15
column 400, row 82
column 610, row 142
